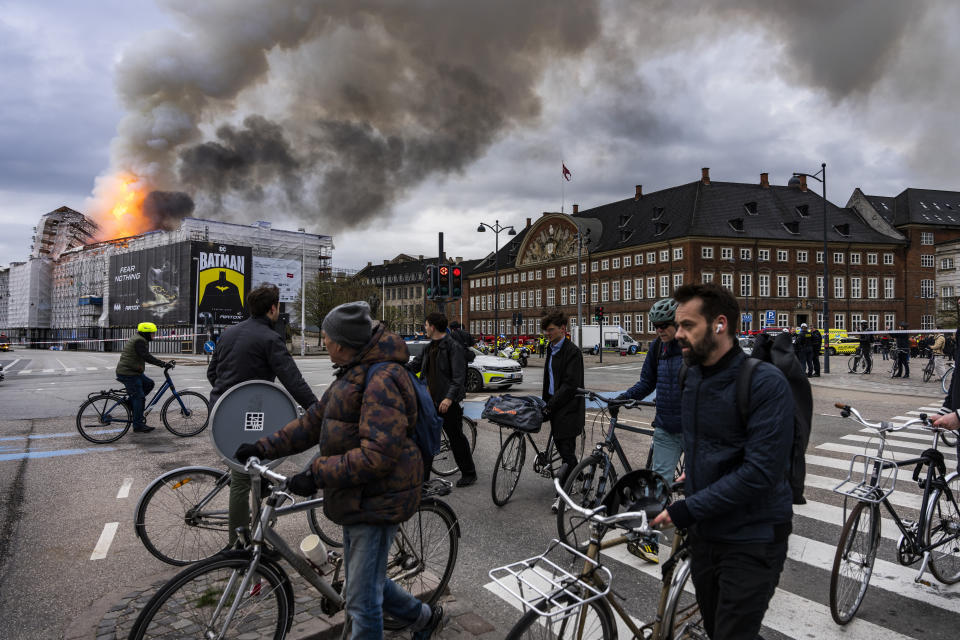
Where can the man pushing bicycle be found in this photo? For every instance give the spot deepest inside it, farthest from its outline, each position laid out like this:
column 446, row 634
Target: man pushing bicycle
column 130, row 368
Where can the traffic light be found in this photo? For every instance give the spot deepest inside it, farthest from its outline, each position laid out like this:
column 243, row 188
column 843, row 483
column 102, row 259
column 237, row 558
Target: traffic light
column 432, row 278
column 598, row 314
column 443, row 282
column 456, row 285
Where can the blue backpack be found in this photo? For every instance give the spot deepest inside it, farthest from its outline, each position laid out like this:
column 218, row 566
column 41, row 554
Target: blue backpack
column 427, row 430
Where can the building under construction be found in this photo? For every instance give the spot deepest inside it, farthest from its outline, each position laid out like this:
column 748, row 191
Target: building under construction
column 72, row 293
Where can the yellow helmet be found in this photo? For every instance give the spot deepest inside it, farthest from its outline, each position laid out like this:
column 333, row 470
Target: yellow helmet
column 146, row 327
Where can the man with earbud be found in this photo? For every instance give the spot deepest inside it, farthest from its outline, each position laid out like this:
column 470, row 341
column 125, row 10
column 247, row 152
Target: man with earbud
column 738, row 506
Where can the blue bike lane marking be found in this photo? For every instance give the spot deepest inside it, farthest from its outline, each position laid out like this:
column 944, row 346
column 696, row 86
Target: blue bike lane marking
column 4, row 457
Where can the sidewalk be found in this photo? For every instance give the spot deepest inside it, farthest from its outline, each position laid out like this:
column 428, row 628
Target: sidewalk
column 879, row 380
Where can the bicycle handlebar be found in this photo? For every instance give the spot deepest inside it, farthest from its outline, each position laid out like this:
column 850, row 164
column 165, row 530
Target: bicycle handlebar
column 253, row 464
column 846, row 411
column 594, row 514
column 626, row 403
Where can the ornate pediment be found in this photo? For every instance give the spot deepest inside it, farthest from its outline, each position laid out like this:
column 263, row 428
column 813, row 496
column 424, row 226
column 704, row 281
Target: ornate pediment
column 553, row 238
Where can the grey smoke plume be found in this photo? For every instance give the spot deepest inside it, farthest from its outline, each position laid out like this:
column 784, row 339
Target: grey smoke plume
column 166, row 209
column 330, row 111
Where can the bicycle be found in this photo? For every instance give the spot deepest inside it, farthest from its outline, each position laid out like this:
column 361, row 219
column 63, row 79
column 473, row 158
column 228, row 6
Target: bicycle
column 513, row 453
column 894, row 357
column 857, row 363
column 934, row 540
column 443, row 462
column 248, row 590
column 106, row 415
column 930, row 368
column 559, row 603
column 947, row 378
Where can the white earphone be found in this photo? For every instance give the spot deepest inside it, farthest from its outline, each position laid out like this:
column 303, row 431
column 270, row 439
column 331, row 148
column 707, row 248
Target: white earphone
column 719, row 328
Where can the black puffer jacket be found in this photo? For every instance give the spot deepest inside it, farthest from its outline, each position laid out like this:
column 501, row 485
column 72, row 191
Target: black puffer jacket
column 252, row 350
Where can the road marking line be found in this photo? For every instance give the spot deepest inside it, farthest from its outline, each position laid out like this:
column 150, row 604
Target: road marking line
column 51, row 454
column 903, row 475
column 930, row 409
column 91, row 368
column 49, row 370
column 124, row 489
column 62, row 365
column 10, row 366
column 898, row 498
column 902, row 444
column 834, row 515
column 106, row 539
column 23, row 371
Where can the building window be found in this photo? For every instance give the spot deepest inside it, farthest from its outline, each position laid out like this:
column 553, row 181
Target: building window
column 946, row 297
column 803, row 290
column 604, row 264
column 573, row 295
column 551, row 298
column 651, row 257
column 802, row 255
column 523, row 299
column 783, row 320
column 677, row 281
column 926, row 260
column 664, row 286
column 539, row 298
column 726, row 253
column 783, row 255
column 615, row 290
column 837, row 257
column 593, row 266
column 651, row 287
column 926, row 321
column 855, row 284
column 706, row 252
column 523, row 276
column 615, row 263
column 626, row 261
column 745, row 253
column 856, row 321
column 726, row 281
column 516, row 299
column 638, row 259
column 604, row 292
column 763, row 255
column 839, row 321
column 838, row 288
column 871, row 258
column 872, row 286
column 889, row 321
column 854, row 257
column 539, row 274
column 616, row 320
column 664, row 255
column 746, row 285
column 627, row 290
column 593, row 292
column 888, row 259
column 763, row 285
column 888, row 287
column 583, row 294
column 678, row 253
column 501, row 301
column 706, row 276
column 472, row 305
column 638, row 287
column 515, row 278
column 926, row 237
column 628, row 323
column 551, row 273
column 946, row 263
column 563, row 272
column 926, row 288
column 563, row 296
column 639, row 318
column 783, row 286
column 873, row 322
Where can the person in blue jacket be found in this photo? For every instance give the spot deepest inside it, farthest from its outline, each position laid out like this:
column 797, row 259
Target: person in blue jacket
column 738, row 506
column 661, row 372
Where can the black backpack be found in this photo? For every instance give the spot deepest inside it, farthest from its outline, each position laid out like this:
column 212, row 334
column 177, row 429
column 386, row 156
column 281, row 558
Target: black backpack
column 949, row 346
column 466, row 341
column 779, row 352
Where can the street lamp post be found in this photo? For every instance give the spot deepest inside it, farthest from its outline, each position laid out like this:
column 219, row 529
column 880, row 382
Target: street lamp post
column 496, row 227
column 821, row 177
column 303, row 291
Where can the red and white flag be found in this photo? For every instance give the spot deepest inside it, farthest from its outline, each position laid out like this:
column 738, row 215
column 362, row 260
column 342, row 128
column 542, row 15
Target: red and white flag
column 566, row 172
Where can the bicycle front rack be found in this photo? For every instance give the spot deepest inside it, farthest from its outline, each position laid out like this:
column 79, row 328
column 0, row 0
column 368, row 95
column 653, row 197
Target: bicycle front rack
column 544, row 586
column 864, row 488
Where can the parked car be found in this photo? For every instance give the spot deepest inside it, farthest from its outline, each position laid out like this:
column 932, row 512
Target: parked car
column 847, row 344
column 486, row 371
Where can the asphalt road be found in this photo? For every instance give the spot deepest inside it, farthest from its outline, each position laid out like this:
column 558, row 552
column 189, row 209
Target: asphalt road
column 59, row 494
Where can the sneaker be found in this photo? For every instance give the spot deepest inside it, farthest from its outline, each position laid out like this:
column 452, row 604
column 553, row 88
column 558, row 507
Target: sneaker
column 555, row 506
column 649, row 550
column 466, row 481
column 434, row 624
column 143, row 429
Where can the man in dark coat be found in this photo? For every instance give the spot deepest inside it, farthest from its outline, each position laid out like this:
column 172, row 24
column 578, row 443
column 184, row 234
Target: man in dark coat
column 866, row 348
column 903, row 353
column 253, row 350
column 816, row 341
column 562, row 376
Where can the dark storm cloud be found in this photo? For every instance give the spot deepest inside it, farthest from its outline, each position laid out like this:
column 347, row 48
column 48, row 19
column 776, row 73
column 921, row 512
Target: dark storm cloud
column 167, row 208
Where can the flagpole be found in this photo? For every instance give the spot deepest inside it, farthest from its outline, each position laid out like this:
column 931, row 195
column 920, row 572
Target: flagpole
column 562, row 186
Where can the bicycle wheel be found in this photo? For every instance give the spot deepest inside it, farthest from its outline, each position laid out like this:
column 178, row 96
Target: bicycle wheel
column 329, row 531
column 586, row 485
column 943, row 528
column 443, row 462
column 853, row 563
column 424, row 554
column 928, row 370
column 195, row 602
column 946, row 380
column 853, row 364
column 103, row 418
column 506, row 472
column 190, row 418
column 183, row 517
column 949, row 438
column 595, row 617
column 681, row 615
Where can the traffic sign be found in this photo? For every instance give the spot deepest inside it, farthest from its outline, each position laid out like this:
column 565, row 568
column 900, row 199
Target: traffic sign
column 209, row 346
column 748, row 317
column 771, row 318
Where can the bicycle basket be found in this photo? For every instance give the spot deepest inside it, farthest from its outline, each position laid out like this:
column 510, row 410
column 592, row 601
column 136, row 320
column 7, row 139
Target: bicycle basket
column 517, row 412
column 543, row 585
column 862, row 486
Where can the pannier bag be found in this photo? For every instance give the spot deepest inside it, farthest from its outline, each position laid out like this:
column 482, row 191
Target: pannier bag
column 517, row 412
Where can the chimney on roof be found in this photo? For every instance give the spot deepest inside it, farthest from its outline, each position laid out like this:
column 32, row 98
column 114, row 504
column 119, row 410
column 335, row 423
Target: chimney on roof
column 528, row 223
column 705, row 175
column 639, row 192
column 386, row 262
column 765, row 180
column 369, row 264
column 803, row 183
column 576, row 209
column 420, row 257
column 458, row 260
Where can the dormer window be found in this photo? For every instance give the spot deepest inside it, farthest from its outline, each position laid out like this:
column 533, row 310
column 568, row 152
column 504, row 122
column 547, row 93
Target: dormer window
column 803, row 210
column 661, row 227
column 736, row 224
column 792, row 227
column 625, row 234
column 657, row 213
column 842, row 229
column 750, row 208
column 625, row 220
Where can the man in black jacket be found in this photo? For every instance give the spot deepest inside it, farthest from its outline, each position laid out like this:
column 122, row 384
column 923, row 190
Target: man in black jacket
column 903, row 352
column 562, row 376
column 738, row 507
column 866, row 348
column 444, row 369
column 817, row 344
column 252, row 350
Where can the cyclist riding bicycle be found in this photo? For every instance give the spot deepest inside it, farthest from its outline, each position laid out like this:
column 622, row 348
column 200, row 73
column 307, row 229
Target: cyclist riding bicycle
column 130, row 367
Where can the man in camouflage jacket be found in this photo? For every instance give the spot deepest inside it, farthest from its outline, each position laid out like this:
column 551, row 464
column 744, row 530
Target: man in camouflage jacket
column 369, row 468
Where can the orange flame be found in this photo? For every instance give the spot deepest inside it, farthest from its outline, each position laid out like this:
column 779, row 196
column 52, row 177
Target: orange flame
column 120, row 212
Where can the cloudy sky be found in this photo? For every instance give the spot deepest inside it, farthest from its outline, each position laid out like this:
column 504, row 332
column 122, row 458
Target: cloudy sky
column 382, row 123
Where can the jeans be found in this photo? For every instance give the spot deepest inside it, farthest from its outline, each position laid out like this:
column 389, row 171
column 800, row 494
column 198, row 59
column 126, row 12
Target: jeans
column 368, row 592
column 734, row 584
column 667, row 448
column 137, row 389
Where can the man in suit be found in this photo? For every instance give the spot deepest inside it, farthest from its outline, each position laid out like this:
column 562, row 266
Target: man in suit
column 563, row 375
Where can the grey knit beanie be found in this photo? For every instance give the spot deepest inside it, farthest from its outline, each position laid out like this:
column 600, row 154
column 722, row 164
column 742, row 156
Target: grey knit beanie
column 349, row 325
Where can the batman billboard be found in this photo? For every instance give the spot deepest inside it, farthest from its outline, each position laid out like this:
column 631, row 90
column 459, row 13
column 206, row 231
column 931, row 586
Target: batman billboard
column 223, row 275
column 151, row 285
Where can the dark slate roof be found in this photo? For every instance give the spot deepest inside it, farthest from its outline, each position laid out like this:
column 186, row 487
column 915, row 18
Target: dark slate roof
column 884, row 205
column 405, row 268
column 927, row 206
